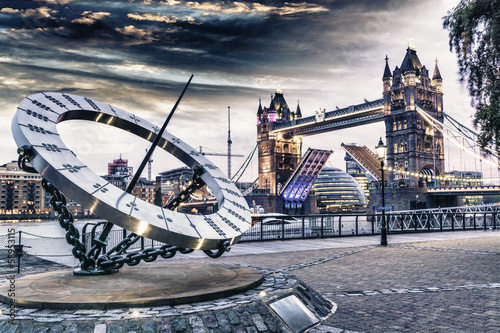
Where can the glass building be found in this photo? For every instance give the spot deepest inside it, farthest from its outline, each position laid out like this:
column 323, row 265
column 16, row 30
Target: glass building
column 338, row 191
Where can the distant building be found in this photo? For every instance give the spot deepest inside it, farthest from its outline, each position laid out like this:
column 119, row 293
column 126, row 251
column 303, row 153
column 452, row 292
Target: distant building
column 467, row 179
column 119, row 173
column 337, row 191
column 21, row 192
column 145, row 190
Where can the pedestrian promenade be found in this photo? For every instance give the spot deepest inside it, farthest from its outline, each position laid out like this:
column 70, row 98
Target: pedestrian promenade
column 423, row 282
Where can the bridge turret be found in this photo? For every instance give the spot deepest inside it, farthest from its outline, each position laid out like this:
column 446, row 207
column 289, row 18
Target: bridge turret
column 298, row 113
column 437, row 80
column 259, row 113
column 387, row 83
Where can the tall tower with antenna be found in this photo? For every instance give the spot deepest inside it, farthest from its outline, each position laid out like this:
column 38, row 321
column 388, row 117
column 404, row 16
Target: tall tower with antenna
column 150, row 161
column 229, row 142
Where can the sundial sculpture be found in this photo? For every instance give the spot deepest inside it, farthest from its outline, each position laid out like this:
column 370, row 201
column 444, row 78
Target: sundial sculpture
column 34, row 130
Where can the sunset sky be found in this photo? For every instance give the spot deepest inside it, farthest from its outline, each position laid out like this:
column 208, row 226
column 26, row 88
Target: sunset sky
column 138, row 55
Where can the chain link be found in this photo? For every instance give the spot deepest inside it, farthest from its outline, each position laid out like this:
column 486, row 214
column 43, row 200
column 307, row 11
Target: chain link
column 58, row 203
column 182, row 196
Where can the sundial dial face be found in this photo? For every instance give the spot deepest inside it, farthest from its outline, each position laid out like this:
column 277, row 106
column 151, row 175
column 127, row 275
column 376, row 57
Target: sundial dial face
column 34, row 124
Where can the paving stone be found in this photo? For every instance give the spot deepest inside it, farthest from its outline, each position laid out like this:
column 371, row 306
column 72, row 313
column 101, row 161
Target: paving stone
column 224, row 323
column 72, row 328
column 259, row 322
column 100, row 328
column 246, row 319
column 273, row 324
column 233, row 317
column 132, row 325
column 149, row 327
column 262, row 308
column 197, row 325
column 252, row 308
column 210, row 321
column 165, row 327
column 115, row 329
column 56, row 329
column 179, row 324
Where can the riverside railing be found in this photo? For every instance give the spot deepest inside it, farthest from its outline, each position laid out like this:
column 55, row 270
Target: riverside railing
column 342, row 225
column 276, row 228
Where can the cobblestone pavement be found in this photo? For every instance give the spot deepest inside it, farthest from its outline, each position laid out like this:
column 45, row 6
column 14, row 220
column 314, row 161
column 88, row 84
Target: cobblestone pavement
column 444, row 285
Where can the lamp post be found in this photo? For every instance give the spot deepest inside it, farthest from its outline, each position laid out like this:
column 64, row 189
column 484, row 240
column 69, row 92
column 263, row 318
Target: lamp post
column 381, row 152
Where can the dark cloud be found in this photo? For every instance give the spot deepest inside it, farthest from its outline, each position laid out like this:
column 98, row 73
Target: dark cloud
column 139, row 54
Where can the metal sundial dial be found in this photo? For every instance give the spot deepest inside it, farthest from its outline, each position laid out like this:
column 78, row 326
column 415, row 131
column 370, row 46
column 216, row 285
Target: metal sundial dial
column 35, row 132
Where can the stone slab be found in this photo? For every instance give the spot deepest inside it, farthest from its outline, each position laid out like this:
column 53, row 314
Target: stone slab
column 136, row 286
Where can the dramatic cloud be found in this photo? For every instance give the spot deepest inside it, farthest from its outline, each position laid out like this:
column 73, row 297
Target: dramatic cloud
column 153, row 17
column 89, row 17
column 138, row 55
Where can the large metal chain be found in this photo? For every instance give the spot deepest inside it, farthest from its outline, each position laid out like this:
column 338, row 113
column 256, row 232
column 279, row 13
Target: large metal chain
column 109, row 261
column 58, row 203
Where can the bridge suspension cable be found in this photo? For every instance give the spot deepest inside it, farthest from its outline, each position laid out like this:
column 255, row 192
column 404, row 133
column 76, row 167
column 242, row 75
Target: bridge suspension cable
column 469, row 133
column 455, row 137
column 236, row 177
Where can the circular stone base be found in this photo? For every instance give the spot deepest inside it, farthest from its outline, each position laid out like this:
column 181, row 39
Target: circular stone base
column 132, row 286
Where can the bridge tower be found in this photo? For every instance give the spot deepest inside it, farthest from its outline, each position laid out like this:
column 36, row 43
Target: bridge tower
column 412, row 144
column 278, row 154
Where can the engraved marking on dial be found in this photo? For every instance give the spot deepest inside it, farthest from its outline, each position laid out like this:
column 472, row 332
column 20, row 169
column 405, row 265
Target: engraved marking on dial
column 37, row 115
column 38, row 129
column 102, row 188
column 72, row 101
column 73, row 168
column 42, row 106
column 135, row 119
column 229, row 223
column 55, row 101
column 92, row 104
column 132, row 206
column 214, row 226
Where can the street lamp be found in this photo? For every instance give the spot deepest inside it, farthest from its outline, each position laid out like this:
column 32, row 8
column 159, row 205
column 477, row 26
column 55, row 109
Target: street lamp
column 381, row 152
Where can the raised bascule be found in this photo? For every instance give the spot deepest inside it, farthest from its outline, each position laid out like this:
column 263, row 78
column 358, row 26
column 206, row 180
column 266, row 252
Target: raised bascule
column 412, row 110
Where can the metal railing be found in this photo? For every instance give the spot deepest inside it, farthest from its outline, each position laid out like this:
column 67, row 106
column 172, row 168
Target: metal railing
column 279, row 228
column 321, row 226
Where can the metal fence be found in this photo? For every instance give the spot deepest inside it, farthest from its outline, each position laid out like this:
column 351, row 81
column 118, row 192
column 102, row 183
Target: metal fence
column 321, row 226
column 279, row 228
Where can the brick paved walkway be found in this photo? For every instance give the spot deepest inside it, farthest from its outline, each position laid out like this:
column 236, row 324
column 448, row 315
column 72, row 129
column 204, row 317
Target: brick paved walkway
column 420, row 283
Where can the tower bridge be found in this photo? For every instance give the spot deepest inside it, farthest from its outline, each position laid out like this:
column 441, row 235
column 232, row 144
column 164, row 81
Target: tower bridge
column 411, row 108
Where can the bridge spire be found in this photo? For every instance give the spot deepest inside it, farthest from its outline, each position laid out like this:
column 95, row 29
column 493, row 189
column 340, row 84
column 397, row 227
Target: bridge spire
column 298, row 113
column 387, row 70
column 437, row 74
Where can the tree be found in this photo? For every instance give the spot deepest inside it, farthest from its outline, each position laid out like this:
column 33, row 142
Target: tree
column 474, row 32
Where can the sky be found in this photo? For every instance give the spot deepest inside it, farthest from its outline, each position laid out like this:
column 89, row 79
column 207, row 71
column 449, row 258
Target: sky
column 138, row 55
